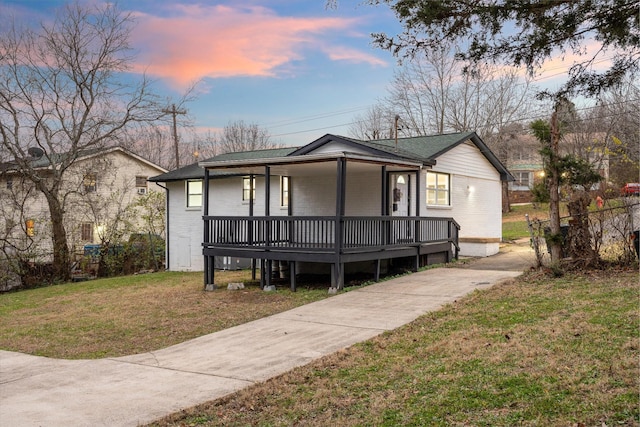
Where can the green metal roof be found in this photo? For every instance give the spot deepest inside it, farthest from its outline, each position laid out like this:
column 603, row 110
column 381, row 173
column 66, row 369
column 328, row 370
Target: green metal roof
column 425, row 149
column 194, row 171
column 422, row 147
column 257, row 154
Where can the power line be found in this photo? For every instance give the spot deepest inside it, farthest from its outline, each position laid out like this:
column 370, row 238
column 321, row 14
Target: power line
column 318, row 116
column 527, row 118
column 304, row 119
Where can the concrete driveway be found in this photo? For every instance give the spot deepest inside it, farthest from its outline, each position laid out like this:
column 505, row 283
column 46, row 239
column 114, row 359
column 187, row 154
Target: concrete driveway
column 133, row 390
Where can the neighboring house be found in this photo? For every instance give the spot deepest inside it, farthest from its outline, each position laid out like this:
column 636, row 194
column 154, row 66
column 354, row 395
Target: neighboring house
column 97, row 188
column 525, row 163
column 338, row 204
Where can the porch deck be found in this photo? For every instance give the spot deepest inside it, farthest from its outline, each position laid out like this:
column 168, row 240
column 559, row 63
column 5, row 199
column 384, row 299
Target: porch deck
column 328, row 239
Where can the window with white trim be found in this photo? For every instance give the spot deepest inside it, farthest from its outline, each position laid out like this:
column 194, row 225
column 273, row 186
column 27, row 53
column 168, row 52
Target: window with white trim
column 194, row 193
column 438, row 189
column 522, row 182
column 284, row 191
column 248, row 189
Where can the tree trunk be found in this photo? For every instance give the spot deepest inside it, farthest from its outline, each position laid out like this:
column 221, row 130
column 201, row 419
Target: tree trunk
column 61, row 259
column 556, row 240
column 506, row 203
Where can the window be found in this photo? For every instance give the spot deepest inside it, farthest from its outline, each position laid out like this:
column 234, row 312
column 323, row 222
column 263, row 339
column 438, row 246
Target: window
column 141, row 185
column 522, row 179
column 89, row 182
column 87, row 231
column 30, row 227
column 522, row 182
column 194, row 194
column 141, row 181
column 248, row 186
column 438, row 189
column 284, row 191
column 523, row 152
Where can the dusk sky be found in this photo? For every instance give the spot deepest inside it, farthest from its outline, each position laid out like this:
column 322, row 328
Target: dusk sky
column 291, row 66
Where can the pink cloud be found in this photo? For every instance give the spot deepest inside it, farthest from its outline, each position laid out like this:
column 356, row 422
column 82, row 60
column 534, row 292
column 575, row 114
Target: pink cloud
column 341, row 53
column 563, row 61
column 223, row 41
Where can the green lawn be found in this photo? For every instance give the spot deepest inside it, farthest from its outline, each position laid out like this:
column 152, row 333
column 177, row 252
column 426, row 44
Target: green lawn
column 532, row 352
column 514, row 223
column 134, row 314
column 514, row 230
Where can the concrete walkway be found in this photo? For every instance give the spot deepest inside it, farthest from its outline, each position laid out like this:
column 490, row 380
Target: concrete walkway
column 133, row 390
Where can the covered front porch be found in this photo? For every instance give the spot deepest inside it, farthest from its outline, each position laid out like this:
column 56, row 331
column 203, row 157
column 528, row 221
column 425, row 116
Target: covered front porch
column 353, row 232
column 333, row 240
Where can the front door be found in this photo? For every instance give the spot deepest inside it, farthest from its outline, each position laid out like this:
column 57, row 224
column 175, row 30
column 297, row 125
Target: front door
column 399, row 197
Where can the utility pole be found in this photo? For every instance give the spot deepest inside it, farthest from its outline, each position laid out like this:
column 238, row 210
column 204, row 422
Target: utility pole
column 174, row 112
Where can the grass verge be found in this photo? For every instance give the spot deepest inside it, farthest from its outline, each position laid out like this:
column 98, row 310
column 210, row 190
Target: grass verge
column 133, row 314
column 534, row 351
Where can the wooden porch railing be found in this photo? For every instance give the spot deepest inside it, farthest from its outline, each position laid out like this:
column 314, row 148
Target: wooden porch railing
column 320, row 233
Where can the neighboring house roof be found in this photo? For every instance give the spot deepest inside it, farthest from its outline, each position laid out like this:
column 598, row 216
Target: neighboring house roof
column 45, row 161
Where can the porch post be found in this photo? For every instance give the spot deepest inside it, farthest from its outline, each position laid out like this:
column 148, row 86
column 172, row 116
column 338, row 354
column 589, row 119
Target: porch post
column 416, row 220
column 416, row 231
column 384, row 211
column 209, row 270
column 267, row 190
column 338, row 267
column 250, row 231
column 267, row 212
column 418, row 190
column 385, row 192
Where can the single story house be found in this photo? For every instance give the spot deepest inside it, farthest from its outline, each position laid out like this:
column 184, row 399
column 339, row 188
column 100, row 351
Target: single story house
column 337, row 204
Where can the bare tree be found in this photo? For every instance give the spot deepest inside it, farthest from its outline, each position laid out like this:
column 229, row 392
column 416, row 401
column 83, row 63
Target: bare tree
column 241, row 136
column 60, row 91
column 421, row 92
column 376, row 123
column 432, row 94
column 205, row 145
column 154, row 143
column 618, row 124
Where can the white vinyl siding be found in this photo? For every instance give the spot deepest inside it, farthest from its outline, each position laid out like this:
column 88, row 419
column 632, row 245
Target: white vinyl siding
column 476, row 197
